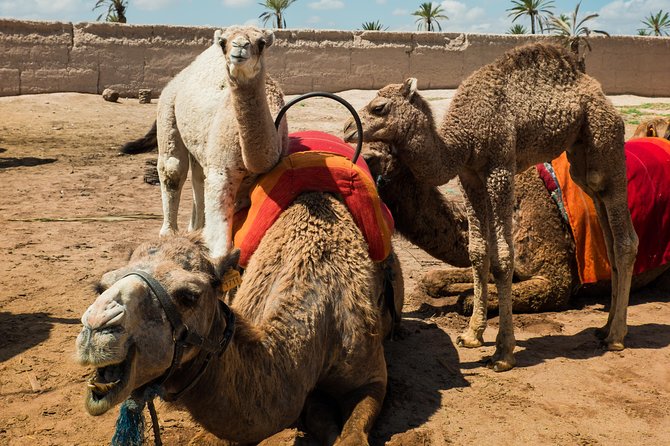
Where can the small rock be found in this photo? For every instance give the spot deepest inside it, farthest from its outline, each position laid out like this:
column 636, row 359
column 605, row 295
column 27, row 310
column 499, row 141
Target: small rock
column 110, row 95
column 144, row 96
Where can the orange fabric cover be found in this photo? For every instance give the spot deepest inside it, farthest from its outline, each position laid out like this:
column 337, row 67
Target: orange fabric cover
column 321, row 162
column 648, row 172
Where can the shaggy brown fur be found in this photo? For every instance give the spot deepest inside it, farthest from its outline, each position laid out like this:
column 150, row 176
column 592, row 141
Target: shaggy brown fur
column 545, row 271
column 310, row 315
column 524, row 108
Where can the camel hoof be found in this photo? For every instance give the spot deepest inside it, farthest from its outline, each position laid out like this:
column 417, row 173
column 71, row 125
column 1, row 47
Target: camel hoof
column 469, row 341
column 500, row 365
column 612, row 346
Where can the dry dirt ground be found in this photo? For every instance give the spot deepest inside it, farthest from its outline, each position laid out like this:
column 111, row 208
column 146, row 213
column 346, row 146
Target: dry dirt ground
column 71, row 209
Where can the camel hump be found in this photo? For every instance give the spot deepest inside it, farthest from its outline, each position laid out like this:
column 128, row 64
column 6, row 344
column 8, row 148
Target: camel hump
column 540, row 56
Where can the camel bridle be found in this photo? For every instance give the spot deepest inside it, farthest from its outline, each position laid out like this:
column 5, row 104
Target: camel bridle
column 183, row 337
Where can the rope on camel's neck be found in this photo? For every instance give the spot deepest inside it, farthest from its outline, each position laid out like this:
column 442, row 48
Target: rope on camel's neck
column 130, row 424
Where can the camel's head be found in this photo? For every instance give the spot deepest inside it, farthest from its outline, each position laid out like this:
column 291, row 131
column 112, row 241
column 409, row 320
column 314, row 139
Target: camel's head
column 127, row 337
column 659, row 127
column 243, row 48
column 389, row 115
column 382, row 160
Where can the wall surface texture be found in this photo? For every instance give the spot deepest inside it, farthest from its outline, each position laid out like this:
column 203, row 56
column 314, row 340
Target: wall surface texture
column 46, row 57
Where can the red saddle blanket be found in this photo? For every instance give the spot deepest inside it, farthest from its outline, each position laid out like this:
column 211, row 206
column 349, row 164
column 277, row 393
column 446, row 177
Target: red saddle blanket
column 316, row 162
column 648, row 172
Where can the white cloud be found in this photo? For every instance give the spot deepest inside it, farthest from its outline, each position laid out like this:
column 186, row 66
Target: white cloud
column 41, row 8
column 381, row 2
column 625, row 16
column 237, row 3
column 327, row 4
column 464, row 18
column 400, row 11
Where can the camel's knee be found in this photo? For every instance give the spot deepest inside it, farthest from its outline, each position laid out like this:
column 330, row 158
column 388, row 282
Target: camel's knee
column 625, row 249
column 172, row 171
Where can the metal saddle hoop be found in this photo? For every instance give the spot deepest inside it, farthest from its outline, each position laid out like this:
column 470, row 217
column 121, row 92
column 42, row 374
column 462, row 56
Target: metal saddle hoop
column 357, row 119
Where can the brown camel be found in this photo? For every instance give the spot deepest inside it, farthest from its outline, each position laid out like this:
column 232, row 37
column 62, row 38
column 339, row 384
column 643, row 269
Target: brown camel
column 545, row 270
column 310, row 315
column 522, row 109
column 216, row 116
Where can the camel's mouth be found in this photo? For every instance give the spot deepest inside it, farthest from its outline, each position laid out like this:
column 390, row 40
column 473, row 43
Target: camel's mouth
column 238, row 59
column 351, row 136
column 108, row 385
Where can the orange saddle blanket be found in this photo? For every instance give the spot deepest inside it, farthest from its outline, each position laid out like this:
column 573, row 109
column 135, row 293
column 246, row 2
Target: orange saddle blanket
column 648, row 172
column 316, row 162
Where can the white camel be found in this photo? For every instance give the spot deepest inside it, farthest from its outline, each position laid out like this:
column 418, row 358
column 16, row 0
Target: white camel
column 217, row 116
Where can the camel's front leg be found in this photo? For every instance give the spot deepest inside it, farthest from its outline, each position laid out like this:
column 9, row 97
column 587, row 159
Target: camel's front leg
column 172, row 172
column 364, row 404
column 500, row 188
column 220, row 189
column 478, row 216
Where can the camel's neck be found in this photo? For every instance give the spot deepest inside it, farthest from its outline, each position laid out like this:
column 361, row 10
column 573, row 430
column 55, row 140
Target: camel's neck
column 257, row 386
column 425, row 217
column 434, row 157
column 259, row 140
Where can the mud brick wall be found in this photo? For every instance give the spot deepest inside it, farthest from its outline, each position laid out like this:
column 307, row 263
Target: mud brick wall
column 45, row 57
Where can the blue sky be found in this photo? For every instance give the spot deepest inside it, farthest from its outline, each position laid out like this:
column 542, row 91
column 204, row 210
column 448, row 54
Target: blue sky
column 485, row 16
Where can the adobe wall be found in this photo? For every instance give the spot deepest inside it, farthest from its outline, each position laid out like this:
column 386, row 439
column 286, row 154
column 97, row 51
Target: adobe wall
column 43, row 57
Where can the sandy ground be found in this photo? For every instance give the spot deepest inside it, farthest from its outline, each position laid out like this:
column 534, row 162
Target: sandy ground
column 71, row 209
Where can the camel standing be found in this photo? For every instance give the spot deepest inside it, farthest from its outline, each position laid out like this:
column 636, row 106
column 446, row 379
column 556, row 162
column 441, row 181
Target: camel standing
column 522, row 109
column 545, row 269
column 216, row 116
column 309, row 315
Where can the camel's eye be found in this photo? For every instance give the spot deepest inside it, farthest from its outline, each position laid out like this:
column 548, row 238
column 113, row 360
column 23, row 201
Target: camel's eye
column 185, row 296
column 379, row 109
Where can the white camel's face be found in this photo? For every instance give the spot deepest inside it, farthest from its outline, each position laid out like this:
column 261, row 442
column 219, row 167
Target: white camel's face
column 126, row 337
column 243, row 48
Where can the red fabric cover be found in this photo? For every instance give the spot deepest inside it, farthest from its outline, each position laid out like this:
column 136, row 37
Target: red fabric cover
column 316, row 161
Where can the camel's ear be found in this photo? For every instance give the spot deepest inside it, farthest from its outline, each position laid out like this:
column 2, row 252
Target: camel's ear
column 219, row 39
column 409, row 88
column 228, row 262
column 266, row 40
column 651, row 130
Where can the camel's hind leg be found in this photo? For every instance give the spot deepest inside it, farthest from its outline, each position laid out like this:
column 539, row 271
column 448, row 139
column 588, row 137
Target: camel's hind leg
column 598, row 167
column 198, row 185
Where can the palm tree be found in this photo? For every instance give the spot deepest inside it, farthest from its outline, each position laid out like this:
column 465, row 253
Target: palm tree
column 658, row 24
column 535, row 9
column 276, row 10
column 373, row 26
column 427, row 16
column 517, row 29
column 573, row 31
column 116, row 10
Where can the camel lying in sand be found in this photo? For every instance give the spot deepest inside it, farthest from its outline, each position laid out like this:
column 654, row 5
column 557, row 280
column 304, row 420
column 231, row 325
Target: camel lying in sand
column 310, row 314
column 216, row 116
column 522, row 109
column 545, row 269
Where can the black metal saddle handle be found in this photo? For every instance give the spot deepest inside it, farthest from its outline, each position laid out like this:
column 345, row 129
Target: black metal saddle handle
column 357, row 119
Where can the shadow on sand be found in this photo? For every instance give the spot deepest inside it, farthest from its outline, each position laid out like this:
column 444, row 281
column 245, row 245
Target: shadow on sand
column 28, row 161
column 20, row 332
column 421, row 362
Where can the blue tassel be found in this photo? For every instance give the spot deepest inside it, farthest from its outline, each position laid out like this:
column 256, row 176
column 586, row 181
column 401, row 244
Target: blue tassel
column 130, row 424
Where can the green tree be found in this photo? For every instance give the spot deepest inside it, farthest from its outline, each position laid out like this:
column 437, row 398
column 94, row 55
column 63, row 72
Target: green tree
column 657, row 25
column 116, row 10
column 373, row 26
column 275, row 12
column 517, row 29
column 572, row 30
column 535, row 9
column 428, row 15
